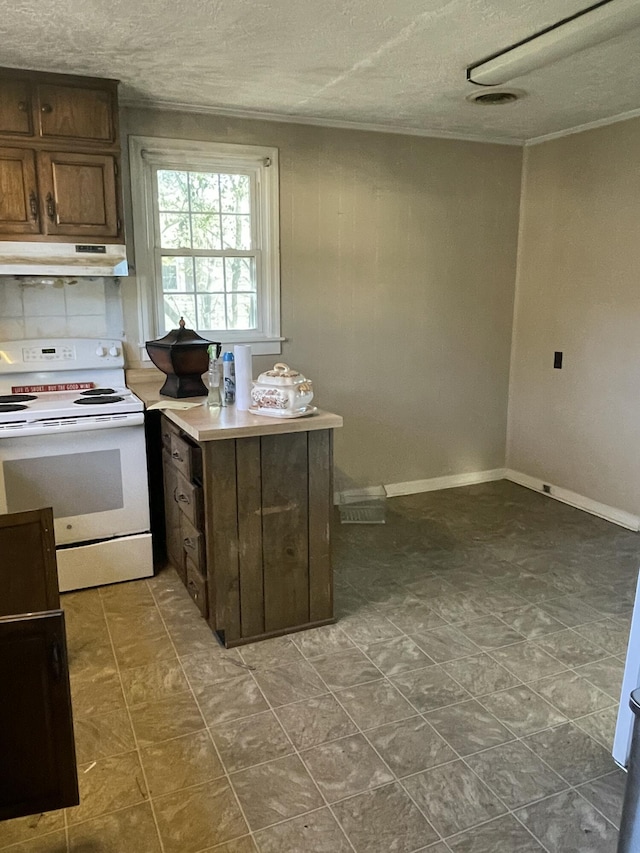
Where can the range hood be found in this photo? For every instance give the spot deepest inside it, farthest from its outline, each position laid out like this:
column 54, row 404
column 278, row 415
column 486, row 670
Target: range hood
column 34, row 258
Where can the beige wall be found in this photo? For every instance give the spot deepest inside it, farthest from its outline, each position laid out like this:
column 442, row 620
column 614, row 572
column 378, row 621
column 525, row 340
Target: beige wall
column 398, row 267
column 578, row 290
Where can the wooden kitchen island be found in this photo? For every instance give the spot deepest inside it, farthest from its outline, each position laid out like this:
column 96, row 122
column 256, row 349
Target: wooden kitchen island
column 248, row 503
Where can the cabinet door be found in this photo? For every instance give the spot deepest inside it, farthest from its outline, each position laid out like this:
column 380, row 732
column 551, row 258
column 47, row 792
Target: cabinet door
column 15, row 108
column 36, row 726
column 28, row 574
column 172, row 516
column 75, row 113
column 79, row 194
column 19, row 213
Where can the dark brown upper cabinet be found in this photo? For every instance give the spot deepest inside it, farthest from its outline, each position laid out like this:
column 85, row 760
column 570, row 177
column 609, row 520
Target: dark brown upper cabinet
column 36, row 725
column 28, row 573
column 59, row 158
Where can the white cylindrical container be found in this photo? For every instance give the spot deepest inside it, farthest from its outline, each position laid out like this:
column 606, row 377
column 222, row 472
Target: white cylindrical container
column 243, row 376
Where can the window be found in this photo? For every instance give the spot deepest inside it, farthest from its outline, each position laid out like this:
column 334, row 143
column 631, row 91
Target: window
column 206, row 240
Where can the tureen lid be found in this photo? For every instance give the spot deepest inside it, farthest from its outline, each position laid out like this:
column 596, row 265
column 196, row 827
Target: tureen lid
column 180, row 337
column 281, row 374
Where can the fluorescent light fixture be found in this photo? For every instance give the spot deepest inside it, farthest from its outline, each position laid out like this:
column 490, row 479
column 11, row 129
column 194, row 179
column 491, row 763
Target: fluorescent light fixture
column 598, row 23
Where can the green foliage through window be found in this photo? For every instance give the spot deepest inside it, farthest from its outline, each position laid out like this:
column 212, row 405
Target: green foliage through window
column 206, row 248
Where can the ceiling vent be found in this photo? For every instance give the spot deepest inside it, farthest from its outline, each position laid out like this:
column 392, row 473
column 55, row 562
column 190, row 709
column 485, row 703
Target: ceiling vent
column 495, row 99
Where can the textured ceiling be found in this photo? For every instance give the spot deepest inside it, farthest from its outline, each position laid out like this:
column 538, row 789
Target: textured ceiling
column 397, row 65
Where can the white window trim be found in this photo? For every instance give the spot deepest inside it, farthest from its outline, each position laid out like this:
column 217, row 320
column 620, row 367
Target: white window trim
column 147, row 152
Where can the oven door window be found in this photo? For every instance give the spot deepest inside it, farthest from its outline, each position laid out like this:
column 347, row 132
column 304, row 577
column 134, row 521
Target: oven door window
column 96, row 481
column 73, row 483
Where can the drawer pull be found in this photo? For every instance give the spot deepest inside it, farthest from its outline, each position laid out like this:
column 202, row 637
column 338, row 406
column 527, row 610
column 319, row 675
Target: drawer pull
column 176, row 455
column 180, row 497
column 23, row 106
column 46, row 108
column 189, row 543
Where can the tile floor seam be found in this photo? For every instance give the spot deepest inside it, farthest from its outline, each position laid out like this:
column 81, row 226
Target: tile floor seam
column 570, row 719
column 395, row 776
column 135, row 737
column 193, row 693
column 327, row 804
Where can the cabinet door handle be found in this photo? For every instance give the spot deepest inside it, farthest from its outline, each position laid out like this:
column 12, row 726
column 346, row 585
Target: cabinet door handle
column 176, row 455
column 181, row 498
column 23, row 106
column 51, row 207
column 46, row 108
column 189, row 543
column 33, row 204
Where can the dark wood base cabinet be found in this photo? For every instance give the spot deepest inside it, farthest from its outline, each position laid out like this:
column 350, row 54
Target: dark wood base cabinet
column 36, row 733
column 248, row 529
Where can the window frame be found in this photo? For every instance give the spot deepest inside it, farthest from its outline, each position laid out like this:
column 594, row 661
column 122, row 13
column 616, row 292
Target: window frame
column 147, row 155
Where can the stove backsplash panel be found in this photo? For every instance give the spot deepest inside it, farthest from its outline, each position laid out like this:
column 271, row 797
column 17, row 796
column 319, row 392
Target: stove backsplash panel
column 34, row 307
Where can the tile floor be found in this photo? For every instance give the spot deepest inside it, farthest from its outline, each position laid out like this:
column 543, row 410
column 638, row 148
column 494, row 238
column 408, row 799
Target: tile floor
column 464, row 701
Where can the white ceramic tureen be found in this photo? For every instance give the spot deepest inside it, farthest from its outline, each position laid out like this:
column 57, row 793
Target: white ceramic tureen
column 282, row 392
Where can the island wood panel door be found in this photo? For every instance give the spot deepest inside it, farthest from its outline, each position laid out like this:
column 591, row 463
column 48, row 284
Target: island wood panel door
column 15, row 108
column 19, row 206
column 269, row 505
column 173, row 533
column 36, row 728
column 285, row 529
column 28, row 572
column 221, row 499
column 79, row 193
column 249, row 485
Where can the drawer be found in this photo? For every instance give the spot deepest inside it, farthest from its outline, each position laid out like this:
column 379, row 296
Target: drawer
column 197, row 588
column 193, row 544
column 167, row 429
column 186, row 458
column 189, row 498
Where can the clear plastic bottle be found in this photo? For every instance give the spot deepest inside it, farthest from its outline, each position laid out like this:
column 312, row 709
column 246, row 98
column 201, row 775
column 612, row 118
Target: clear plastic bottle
column 229, row 379
column 214, row 397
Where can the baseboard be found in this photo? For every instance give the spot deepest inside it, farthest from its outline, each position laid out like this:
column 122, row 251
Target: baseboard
column 434, row 484
column 609, row 513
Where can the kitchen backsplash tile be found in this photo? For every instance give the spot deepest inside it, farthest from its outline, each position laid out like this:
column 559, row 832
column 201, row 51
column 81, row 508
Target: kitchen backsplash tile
column 33, row 307
column 85, row 296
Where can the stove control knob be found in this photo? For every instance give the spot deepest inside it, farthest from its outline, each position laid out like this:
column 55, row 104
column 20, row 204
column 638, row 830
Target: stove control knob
column 101, row 351
column 113, row 350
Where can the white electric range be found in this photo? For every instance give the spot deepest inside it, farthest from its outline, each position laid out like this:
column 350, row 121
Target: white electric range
column 72, row 437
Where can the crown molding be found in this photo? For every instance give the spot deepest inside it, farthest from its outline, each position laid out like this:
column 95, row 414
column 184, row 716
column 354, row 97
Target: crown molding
column 223, row 112
column 580, row 128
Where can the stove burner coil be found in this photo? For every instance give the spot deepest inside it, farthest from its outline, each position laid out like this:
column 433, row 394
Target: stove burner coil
column 16, row 398
column 97, row 392
column 90, row 401
column 12, row 407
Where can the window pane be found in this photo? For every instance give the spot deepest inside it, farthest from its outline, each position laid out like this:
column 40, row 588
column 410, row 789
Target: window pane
column 177, row 274
column 172, row 191
column 241, row 311
column 204, row 192
column 210, row 274
column 211, row 311
column 175, row 232
column 176, row 306
column 235, row 193
column 206, row 230
column 240, row 274
column 236, row 232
